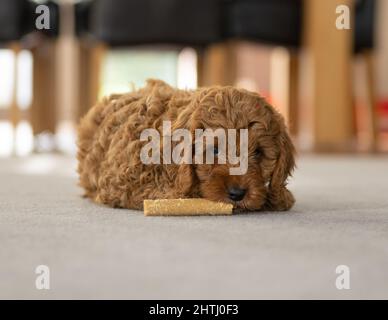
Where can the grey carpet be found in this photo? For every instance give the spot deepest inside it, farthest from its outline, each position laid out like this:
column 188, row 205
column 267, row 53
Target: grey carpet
column 341, row 217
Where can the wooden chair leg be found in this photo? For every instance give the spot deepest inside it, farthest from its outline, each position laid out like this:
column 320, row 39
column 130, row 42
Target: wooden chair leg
column 220, row 64
column 372, row 100
column 14, row 108
column 293, row 100
column 96, row 62
column 200, row 67
column 43, row 107
column 328, row 74
column 90, row 65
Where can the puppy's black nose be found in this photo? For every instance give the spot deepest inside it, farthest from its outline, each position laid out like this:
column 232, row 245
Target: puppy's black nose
column 236, row 194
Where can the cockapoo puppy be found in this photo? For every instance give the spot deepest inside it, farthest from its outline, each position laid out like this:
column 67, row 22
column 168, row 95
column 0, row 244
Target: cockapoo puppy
column 112, row 172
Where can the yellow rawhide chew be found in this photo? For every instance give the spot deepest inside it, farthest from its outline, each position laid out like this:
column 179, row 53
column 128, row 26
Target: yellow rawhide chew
column 185, row 207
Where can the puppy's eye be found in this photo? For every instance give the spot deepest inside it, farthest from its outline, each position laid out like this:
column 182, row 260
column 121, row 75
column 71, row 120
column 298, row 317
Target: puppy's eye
column 215, row 151
column 258, row 153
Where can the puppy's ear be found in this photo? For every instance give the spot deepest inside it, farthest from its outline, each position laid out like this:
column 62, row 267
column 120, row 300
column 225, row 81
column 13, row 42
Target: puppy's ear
column 279, row 198
column 186, row 180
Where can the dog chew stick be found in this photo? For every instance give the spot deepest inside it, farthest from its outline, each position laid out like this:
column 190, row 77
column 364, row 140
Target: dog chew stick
column 185, row 207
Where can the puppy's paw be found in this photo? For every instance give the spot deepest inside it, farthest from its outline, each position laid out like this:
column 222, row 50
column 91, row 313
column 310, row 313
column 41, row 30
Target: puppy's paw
column 282, row 200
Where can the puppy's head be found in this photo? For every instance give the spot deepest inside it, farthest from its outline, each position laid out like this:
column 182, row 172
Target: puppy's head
column 269, row 150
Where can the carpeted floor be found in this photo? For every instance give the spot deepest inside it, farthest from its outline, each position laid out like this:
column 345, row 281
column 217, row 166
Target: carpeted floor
column 341, row 217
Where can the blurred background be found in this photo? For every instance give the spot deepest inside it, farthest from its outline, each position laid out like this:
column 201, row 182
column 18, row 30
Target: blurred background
column 331, row 85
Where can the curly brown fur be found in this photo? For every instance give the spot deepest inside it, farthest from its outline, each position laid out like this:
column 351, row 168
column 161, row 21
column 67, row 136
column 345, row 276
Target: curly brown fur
column 109, row 145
